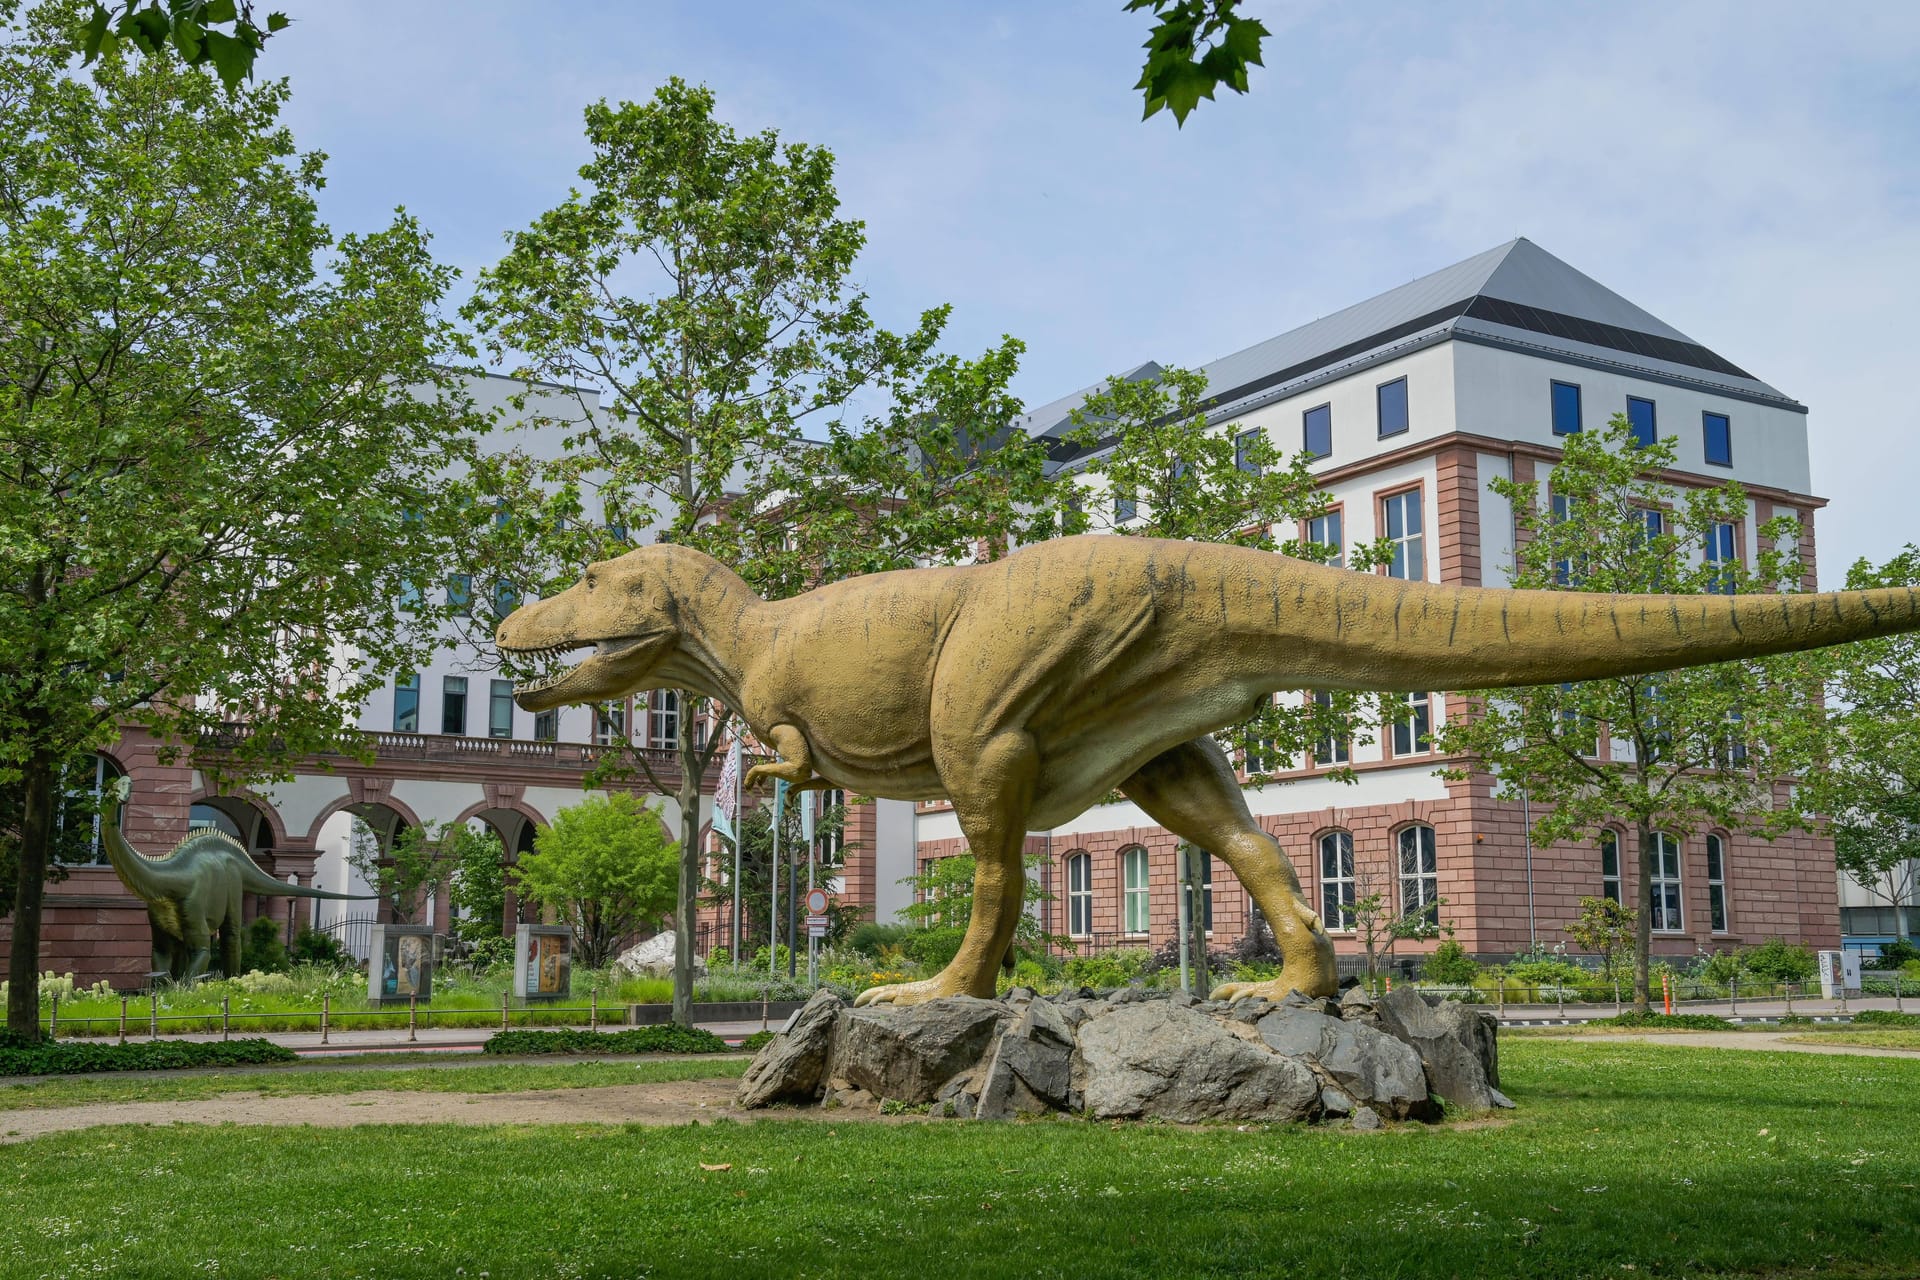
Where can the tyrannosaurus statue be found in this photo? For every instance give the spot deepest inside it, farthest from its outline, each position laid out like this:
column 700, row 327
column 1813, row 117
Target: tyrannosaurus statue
column 1026, row 689
column 193, row 894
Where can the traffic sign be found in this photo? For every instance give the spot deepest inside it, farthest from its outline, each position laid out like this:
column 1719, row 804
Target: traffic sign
column 816, row 902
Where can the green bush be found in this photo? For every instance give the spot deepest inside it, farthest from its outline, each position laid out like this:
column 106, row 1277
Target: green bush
column 263, row 951
column 1450, row 964
column 1106, row 968
column 22, row 1057
column 1886, row 1018
column 1895, row 955
column 871, row 939
column 665, row 1038
column 495, row 951
column 757, row 1041
column 322, row 949
column 1686, row 1021
column 1776, row 961
column 936, row 947
column 1720, row 968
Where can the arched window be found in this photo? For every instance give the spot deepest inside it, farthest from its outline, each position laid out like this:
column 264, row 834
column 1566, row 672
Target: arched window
column 1419, row 873
column 1133, row 890
column 1610, row 865
column 204, row 817
column 1666, row 883
column 77, row 839
column 1336, row 881
column 1079, row 895
column 1717, row 882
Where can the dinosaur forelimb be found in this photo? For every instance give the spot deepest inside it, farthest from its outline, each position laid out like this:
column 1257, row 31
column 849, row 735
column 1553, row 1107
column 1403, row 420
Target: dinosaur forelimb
column 795, row 766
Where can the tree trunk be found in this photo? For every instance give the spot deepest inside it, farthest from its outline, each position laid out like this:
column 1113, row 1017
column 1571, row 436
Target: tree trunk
column 36, row 837
column 1643, row 926
column 683, row 912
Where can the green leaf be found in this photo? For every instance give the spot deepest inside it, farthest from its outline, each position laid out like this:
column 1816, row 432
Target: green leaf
column 187, row 39
column 277, row 22
column 219, row 11
column 232, row 58
column 148, row 28
column 98, row 32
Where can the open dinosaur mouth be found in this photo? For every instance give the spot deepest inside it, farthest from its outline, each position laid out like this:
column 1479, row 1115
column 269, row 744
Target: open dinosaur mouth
column 601, row 649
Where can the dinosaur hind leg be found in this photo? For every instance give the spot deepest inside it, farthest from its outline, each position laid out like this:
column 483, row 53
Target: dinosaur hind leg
column 992, row 803
column 1191, row 791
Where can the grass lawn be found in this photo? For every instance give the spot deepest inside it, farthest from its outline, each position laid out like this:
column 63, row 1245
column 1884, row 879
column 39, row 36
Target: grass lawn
column 1625, row 1160
column 291, row 1082
column 1872, row 1037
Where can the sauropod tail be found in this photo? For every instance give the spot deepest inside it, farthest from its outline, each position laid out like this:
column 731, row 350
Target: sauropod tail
column 258, row 881
column 1409, row 635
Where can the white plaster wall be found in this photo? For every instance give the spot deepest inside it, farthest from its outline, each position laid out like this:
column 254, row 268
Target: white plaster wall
column 895, row 857
column 1356, row 425
column 300, row 800
column 1496, row 521
column 1506, row 394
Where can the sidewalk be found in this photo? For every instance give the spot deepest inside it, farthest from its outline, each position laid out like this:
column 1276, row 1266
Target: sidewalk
column 396, row 1039
column 1768, row 1010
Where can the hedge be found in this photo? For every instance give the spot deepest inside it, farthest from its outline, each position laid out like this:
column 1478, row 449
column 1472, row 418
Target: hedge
column 665, row 1038
column 22, row 1057
column 1688, row 1021
column 1885, row 1018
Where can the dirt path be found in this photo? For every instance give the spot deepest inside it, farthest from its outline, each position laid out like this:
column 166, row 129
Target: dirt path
column 674, row 1102
column 1782, row 1041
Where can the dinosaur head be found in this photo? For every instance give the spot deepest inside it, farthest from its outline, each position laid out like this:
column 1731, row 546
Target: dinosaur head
column 621, row 607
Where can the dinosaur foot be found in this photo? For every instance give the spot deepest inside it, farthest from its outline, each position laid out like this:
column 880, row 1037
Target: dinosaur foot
column 905, row 993
column 1274, row 989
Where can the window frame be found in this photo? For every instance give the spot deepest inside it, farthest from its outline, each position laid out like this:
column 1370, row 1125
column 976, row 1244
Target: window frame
column 1241, row 461
column 1383, row 506
column 1380, row 408
column 1653, row 421
column 658, row 713
column 1339, row 752
column 1667, row 857
column 610, row 720
column 1719, row 919
column 1339, row 843
column 1416, row 711
column 1132, row 894
column 1336, row 513
column 1724, row 583
column 1425, row 878
column 1079, row 895
column 453, row 706
column 546, row 725
column 1126, row 506
column 409, row 685
column 1707, row 417
column 1554, row 387
column 499, row 693
column 1611, row 886
column 1306, row 431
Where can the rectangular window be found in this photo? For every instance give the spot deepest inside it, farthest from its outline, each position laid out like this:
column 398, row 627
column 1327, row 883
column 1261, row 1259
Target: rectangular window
column 500, row 709
column 1261, row 756
column 1567, row 571
column 460, row 593
column 506, row 598
column 1243, row 451
column 1405, row 527
column 1134, row 868
column 1324, row 531
column 1080, row 895
column 1336, row 881
column 546, row 726
column 1640, row 421
column 1722, row 550
column 1329, row 750
column 610, row 723
column 406, row 704
column 1419, row 875
column 1717, row 882
column 1566, row 409
column 1718, row 430
column 1577, row 728
column 453, row 705
column 1316, row 429
column 1390, row 398
column 663, row 720
column 1610, row 866
column 1666, row 884
column 1413, row 729
column 833, row 843
column 1125, row 507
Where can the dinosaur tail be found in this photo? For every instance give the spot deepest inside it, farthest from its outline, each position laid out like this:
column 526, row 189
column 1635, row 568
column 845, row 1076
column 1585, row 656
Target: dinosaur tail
column 258, row 881
column 1389, row 635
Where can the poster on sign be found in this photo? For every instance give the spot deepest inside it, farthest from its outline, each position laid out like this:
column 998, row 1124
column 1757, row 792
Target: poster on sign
column 402, row 967
column 542, row 961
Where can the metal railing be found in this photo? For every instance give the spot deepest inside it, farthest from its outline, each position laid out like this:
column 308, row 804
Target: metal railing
column 571, row 757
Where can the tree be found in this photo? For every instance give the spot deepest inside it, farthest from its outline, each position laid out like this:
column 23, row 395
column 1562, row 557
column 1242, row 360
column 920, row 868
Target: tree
column 607, row 866
column 1667, row 753
column 1160, row 469
column 1380, row 926
column 1178, row 73
column 1871, row 783
column 187, row 28
column 701, row 286
column 477, row 885
column 219, row 443
column 1606, row 928
column 943, row 899
column 757, row 868
column 403, row 872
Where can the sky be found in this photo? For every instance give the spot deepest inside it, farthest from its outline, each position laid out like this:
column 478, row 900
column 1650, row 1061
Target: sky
column 1749, row 172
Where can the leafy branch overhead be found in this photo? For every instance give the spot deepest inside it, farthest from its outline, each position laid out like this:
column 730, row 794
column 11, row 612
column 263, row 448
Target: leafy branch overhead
column 1194, row 48
column 189, row 29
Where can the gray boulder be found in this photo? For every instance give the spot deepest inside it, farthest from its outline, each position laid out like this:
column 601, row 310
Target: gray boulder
column 1456, row 1042
column 653, row 958
column 1364, row 1062
column 1032, row 1068
column 793, row 1065
column 1158, row 1059
column 906, row 1054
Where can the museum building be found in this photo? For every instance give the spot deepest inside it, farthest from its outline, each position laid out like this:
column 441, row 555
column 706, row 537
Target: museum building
column 1409, row 403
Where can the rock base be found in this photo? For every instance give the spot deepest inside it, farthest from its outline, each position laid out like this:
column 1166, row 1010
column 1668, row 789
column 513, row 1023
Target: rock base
column 1138, row 1055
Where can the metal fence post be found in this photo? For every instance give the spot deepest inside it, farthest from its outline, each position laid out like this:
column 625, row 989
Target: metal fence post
column 123, row 1019
column 1733, row 993
column 1616, row 995
column 153, row 1016
column 503, row 1011
column 1897, row 1006
column 593, row 1010
column 413, row 1018
column 326, row 1007
column 1789, row 990
column 226, row 1017
column 1562, row 990
column 53, row 1023
column 1500, row 997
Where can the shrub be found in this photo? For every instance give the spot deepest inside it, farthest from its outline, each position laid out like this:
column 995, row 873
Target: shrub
column 757, row 1041
column 871, row 939
column 935, row 947
column 495, row 951
column 22, row 1057
column 1685, row 1021
column 1105, row 968
column 1895, row 955
column 1450, row 964
column 322, row 949
column 1777, row 961
column 665, row 1038
column 1886, row 1018
column 1167, row 959
column 263, row 951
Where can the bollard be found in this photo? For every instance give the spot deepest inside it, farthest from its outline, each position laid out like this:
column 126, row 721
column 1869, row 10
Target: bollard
column 1733, row 992
column 503, row 1011
column 53, row 1024
column 1562, row 990
column 1500, row 997
column 226, row 1017
column 1389, row 984
column 1897, row 1006
column 326, row 1007
column 1666, row 993
column 413, row 1018
column 593, row 1010
column 123, row 1019
column 1616, row 995
column 1789, row 987
column 153, row 1016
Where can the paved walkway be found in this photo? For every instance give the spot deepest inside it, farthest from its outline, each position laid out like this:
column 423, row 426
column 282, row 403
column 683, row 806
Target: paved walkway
column 1773, row 1041
column 397, row 1040
column 1738, row 1011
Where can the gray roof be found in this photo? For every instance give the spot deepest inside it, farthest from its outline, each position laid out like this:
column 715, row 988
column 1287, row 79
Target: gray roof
column 1516, row 295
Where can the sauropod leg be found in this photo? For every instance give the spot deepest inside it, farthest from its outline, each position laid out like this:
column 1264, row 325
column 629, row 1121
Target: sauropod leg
column 1191, row 791
column 992, row 798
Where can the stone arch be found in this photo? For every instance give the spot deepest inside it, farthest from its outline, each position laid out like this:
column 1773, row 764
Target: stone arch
column 261, row 826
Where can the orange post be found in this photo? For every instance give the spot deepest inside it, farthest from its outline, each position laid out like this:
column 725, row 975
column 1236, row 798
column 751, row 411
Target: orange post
column 1666, row 992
